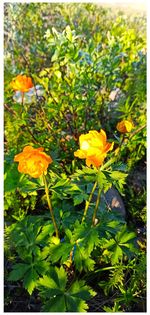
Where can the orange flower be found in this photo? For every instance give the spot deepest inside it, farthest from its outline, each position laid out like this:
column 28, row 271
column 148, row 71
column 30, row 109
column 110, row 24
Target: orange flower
column 22, row 83
column 124, row 126
column 93, row 147
column 33, row 161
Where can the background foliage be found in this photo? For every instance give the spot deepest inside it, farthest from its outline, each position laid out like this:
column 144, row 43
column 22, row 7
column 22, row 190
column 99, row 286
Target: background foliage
column 88, row 64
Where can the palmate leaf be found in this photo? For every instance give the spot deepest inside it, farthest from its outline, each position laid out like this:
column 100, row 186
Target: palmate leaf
column 122, row 243
column 29, row 273
column 82, row 259
column 86, row 236
column 60, row 251
column 56, row 297
column 18, row 272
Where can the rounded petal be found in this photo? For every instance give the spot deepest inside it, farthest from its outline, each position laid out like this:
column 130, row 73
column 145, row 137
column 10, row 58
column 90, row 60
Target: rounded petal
column 124, row 126
column 80, row 154
column 22, row 83
column 33, row 161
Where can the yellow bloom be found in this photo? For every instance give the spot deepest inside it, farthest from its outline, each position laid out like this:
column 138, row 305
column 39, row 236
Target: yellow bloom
column 33, row 161
column 93, row 147
column 22, row 83
column 124, row 126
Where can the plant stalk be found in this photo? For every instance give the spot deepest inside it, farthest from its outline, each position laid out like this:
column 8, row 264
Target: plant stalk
column 96, row 206
column 50, row 205
column 88, row 201
column 22, row 97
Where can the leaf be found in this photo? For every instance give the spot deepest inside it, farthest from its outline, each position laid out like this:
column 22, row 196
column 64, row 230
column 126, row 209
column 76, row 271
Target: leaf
column 78, row 199
column 75, row 304
column 12, row 176
column 121, row 244
column 55, row 304
column 30, row 280
column 68, row 33
column 124, row 235
column 86, row 235
column 18, row 271
column 117, row 253
column 82, row 260
column 55, row 55
column 46, row 231
column 80, row 290
column 58, row 74
column 57, row 298
column 103, row 182
column 60, row 251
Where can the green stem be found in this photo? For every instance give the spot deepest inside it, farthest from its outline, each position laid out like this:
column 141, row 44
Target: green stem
column 96, row 206
column 22, row 95
column 50, row 205
column 88, row 201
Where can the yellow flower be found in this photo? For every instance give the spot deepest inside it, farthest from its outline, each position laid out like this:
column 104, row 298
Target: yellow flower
column 33, row 162
column 93, row 147
column 124, row 126
column 22, row 83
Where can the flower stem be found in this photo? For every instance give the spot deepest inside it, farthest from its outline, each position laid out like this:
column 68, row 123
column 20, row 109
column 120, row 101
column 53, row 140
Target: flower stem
column 96, row 206
column 88, row 201
column 50, row 205
column 22, row 96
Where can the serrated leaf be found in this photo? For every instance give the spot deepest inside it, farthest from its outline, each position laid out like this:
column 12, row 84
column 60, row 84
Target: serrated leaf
column 81, row 290
column 18, row 271
column 82, row 260
column 75, row 304
column 60, row 251
column 57, row 298
column 117, row 253
column 103, row 182
column 87, row 235
column 124, row 235
column 30, row 280
column 118, row 175
column 46, row 230
column 55, row 304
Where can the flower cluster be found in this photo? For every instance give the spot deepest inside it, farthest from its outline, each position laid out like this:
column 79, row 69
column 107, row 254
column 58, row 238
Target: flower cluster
column 93, row 147
column 33, row 162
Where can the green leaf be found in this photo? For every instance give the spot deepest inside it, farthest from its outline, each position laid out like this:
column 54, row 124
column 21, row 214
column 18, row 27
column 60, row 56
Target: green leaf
column 78, row 199
column 86, row 235
column 80, row 290
column 68, row 33
column 12, row 176
column 75, row 304
column 58, row 74
column 60, row 251
column 46, row 231
column 103, row 182
column 82, row 260
column 55, row 304
column 124, row 235
column 57, row 298
column 122, row 243
column 18, row 271
column 30, row 280
column 117, row 253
